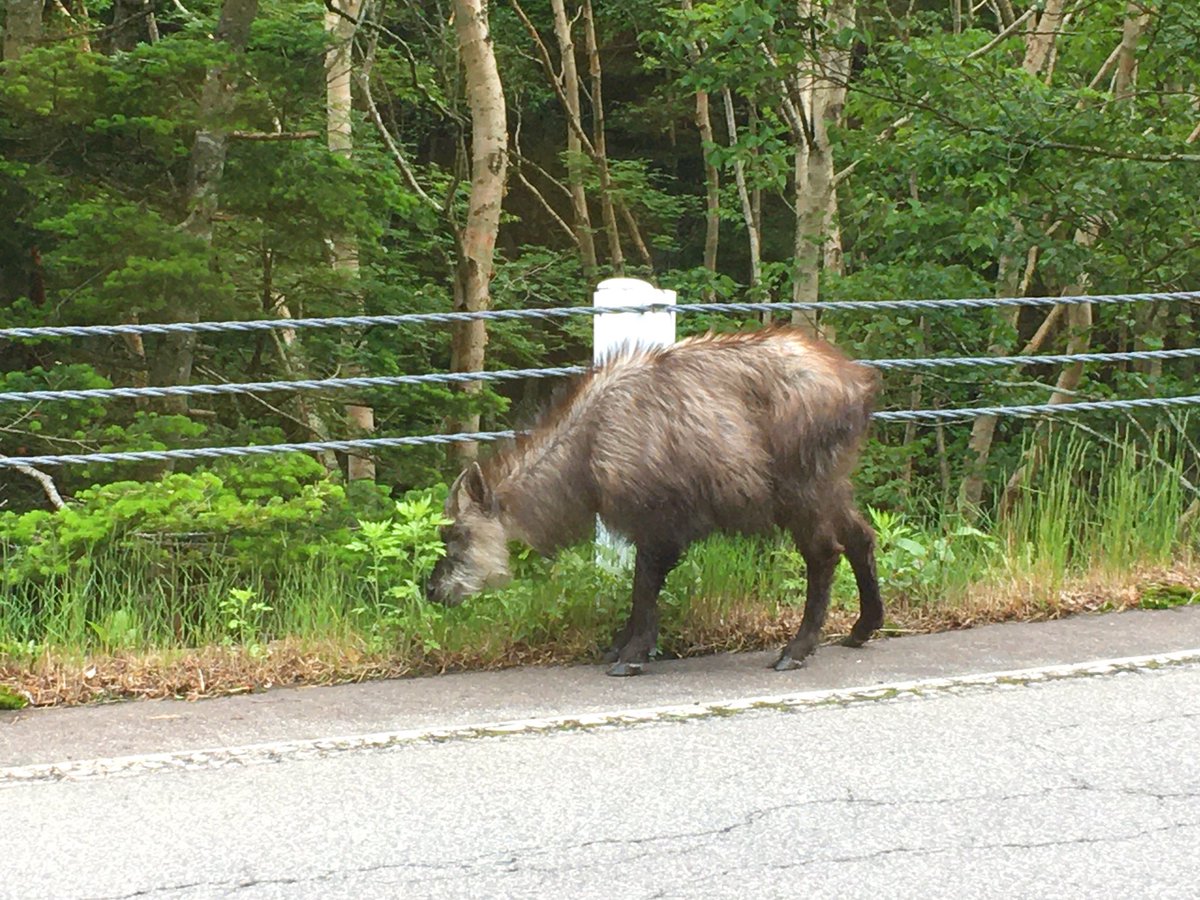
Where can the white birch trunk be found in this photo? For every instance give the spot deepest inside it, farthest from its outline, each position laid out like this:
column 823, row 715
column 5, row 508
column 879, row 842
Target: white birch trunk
column 581, row 220
column 340, row 25
column 489, row 163
column 821, row 87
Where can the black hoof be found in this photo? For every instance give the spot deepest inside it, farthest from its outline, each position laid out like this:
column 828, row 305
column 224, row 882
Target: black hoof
column 851, row 641
column 625, row 669
column 785, row 663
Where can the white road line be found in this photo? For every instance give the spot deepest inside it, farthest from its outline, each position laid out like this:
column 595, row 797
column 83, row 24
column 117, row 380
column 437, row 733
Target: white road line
column 279, row 751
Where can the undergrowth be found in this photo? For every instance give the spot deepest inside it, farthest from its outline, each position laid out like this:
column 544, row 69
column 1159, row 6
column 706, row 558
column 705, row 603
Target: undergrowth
column 145, row 579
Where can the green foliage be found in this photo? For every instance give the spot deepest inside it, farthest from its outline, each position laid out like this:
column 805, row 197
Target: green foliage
column 960, row 174
column 267, row 509
column 1168, row 596
column 242, row 612
column 10, row 699
column 400, row 551
column 920, row 565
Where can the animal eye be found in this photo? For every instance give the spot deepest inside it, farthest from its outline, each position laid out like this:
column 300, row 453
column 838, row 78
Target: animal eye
column 454, row 536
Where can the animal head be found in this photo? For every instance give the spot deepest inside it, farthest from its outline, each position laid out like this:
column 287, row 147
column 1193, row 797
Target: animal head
column 476, row 544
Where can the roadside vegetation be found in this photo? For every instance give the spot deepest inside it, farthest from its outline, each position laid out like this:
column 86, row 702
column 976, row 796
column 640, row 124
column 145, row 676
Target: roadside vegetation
column 236, row 160
column 242, row 577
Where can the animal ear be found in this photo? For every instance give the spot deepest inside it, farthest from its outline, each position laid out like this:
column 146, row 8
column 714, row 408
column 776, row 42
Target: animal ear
column 477, row 488
column 470, row 489
column 453, row 504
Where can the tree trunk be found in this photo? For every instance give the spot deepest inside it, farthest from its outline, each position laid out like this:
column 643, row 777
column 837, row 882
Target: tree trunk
column 293, row 359
column 812, row 188
column 712, row 179
column 78, row 25
column 821, row 87
column 130, row 24
column 489, row 160
column 983, row 429
column 712, row 185
column 340, row 25
column 1041, row 35
column 173, row 362
column 753, row 237
column 1079, row 337
column 600, row 144
column 581, row 220
column 1136, row 20
column 22, row 27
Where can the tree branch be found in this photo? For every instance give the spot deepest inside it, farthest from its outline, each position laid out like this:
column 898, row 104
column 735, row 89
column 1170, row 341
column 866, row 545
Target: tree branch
column 1006, row 33
column 45, row 481
column 548, row 66
column 274, row 135
column 364, row 84
column 338, row 11
column 1120, row 154
column 884, row 135
column 518, row 161
column 544, row 203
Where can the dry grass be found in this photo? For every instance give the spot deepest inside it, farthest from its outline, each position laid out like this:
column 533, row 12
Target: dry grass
column 50, row 680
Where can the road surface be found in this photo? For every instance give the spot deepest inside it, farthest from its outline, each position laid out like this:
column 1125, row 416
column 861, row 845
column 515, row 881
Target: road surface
column 927, row 776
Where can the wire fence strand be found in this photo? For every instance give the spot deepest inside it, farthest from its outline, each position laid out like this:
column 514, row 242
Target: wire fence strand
column 378, row 381
column 366, row 444
column 85, row 331
column 919, row 416
column 304, row 385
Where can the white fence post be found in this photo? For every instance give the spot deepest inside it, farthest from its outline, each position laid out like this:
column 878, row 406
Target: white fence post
column 612, row 331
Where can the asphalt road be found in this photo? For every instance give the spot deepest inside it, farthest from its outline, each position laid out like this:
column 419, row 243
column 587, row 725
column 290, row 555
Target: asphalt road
column 1067, row 781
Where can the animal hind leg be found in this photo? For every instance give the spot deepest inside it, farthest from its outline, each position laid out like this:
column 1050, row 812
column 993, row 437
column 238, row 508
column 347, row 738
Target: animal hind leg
column 640, row 633
column 821, row 551
column 859, row 540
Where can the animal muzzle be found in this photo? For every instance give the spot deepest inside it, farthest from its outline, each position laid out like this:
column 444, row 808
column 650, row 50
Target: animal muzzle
column 440, row 589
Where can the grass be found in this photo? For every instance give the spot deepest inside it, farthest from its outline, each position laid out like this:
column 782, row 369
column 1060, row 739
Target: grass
column 1088, row 532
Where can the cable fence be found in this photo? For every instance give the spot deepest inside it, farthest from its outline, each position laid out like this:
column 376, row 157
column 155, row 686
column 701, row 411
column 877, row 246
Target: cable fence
column 160, row 328
column 922, row 416
column 376, row 381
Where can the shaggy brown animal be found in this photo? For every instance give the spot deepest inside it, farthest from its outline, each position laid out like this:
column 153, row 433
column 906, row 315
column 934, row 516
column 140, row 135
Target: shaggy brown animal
column 735, row 433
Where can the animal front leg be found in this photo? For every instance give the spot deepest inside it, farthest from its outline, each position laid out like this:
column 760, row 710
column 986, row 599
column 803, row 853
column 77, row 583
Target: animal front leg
column 620, row 639
column 641, row 631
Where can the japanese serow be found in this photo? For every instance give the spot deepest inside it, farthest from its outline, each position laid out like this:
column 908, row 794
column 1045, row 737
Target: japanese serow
column 733, row 433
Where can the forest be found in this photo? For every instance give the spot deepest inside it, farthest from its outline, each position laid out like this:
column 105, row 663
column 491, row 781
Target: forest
column 219, row 160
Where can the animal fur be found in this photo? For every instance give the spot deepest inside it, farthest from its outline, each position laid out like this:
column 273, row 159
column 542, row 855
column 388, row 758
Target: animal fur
column 736, row 433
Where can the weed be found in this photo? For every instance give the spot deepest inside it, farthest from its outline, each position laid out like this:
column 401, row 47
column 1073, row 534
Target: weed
column 119, row 629
column 10, row 699
column 922, row 565
column 400, row 551
column 242, row 613
column 1166, row 596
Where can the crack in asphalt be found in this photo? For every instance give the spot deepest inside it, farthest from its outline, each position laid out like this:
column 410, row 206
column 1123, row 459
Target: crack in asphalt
column 239, row 884
column 1001, row 845
column 525, row 860
column 1123, row 723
